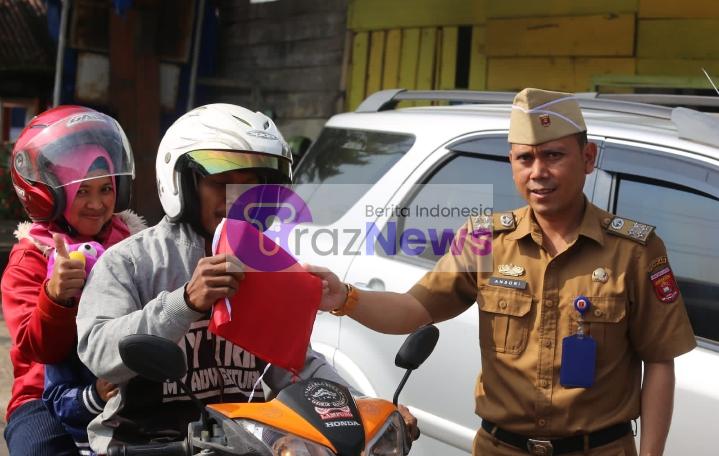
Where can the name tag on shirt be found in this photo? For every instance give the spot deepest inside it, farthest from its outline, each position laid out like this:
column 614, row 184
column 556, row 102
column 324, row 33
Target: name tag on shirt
column 508, row 283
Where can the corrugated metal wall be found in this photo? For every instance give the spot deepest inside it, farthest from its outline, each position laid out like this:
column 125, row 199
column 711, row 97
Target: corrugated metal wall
column 24, row 39
column 284, row 57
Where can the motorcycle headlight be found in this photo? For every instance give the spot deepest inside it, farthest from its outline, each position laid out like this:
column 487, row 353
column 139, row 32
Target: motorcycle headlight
column 389, row 441
column 282, row 443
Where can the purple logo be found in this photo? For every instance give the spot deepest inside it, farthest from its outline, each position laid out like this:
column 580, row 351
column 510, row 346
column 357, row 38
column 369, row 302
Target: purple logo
column 274, row 210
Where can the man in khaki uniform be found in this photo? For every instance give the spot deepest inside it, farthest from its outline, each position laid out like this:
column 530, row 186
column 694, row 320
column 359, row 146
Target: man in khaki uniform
column 545, row 256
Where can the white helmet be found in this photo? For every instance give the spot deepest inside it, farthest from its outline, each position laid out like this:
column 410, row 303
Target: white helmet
column 213, row 139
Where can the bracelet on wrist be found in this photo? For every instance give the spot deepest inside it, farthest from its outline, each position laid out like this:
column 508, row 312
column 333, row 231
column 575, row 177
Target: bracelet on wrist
column 350, row 303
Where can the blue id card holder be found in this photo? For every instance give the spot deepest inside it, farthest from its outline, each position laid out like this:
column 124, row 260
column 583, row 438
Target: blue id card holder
column 579, row 353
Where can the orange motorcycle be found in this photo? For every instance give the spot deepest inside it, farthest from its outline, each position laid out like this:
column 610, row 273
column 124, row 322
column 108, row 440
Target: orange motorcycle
column 313, row 417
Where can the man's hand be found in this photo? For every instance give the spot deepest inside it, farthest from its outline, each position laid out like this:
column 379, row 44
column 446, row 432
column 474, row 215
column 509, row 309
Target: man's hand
column 105, row 389
column 215, row 277
column 383, row 311
column 410, row 423
column 68, row 275
column 334, row 292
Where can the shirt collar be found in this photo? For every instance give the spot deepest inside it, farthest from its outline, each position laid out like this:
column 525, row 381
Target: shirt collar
column 525, row 224
column 590, row 226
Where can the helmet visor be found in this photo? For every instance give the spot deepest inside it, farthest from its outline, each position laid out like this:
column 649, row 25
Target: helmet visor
column 220, row 161
column 81, row 147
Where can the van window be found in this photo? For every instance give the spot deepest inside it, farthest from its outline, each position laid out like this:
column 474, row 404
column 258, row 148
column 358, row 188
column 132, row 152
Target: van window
column 688, row 223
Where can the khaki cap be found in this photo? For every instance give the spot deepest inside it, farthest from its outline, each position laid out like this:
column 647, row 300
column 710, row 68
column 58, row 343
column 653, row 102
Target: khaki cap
column 539, row 116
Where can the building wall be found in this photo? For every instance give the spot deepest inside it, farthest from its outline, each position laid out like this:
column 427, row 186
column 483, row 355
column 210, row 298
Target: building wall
column 283, row 57
column 510, row 44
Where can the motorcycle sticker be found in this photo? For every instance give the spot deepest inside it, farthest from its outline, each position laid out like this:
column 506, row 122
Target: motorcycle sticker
column 325, row 395
column 333, row 413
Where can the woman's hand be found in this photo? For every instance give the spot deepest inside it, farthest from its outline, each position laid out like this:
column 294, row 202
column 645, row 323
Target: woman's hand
column 68, row 275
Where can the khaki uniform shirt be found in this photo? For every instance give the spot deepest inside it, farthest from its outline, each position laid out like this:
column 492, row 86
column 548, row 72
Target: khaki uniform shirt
column 521, row 330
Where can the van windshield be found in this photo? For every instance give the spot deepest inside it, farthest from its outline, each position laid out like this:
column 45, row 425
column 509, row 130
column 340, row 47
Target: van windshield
column 341, row 157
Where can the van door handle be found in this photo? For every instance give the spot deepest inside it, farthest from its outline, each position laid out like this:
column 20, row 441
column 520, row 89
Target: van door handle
column 374, row 284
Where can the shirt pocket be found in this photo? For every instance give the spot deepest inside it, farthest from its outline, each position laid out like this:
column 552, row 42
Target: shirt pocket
column 605, row 321
column 503, row 319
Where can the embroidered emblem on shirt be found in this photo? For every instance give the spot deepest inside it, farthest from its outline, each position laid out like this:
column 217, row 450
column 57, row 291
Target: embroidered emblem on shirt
column 508, row 283
column 511, row 270
column 665, row 286
column 661, row 261
column 600, row 275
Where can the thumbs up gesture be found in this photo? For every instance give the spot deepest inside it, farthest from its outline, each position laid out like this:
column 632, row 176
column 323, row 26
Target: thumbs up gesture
column 68, row 274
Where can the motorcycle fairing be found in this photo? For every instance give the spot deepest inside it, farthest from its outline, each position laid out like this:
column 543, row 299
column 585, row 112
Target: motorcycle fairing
column 275, row 414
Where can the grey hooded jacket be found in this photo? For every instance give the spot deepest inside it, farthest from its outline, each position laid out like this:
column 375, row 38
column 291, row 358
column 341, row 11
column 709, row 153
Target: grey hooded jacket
column 137, row 287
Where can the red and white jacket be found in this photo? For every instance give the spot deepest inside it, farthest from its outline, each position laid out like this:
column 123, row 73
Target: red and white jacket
column 42, row 331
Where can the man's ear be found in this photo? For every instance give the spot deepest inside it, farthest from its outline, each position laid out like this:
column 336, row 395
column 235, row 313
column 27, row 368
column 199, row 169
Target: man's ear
column 590, row 156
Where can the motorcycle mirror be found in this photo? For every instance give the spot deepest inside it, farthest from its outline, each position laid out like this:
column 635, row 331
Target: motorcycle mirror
column 414, row 351
column 417, row 347
column 153, row 357
column 159, row 359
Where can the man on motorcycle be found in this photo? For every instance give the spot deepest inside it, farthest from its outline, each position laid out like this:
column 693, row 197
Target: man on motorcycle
column 165, row 280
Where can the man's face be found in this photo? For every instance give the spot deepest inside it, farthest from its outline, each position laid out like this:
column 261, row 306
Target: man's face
column 550, row 176
column 211, row 191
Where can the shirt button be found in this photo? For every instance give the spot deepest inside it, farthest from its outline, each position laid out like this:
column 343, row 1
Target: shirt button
column 544, row 383
column 547, row 343
column 542, row 422
column 549, row 303
column 598, row 312
column 502, row 304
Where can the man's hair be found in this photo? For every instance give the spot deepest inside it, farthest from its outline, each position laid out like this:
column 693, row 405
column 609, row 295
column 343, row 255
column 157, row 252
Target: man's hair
column 582, row 139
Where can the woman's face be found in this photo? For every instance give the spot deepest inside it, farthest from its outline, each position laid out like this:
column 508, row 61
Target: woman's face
column 93, row 204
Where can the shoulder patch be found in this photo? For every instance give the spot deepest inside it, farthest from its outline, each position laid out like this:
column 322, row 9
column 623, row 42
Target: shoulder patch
column 662, row 278
column 504, row 221
column 630, row 229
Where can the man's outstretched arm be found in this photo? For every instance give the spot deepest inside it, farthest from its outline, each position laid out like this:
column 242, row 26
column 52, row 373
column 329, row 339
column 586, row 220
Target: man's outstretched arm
column 383, row 311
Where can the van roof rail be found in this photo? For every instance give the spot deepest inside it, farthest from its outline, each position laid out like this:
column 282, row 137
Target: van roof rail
column 387, row 99
column 665, row 99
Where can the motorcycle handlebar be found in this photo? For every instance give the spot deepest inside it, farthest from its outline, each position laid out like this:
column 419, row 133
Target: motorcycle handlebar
column 161, row 449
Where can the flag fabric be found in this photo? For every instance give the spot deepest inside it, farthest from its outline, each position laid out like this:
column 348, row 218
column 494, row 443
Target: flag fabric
column 273, row 311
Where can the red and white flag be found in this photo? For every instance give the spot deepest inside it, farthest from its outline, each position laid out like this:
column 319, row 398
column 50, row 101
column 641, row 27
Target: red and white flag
column 272, row 313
